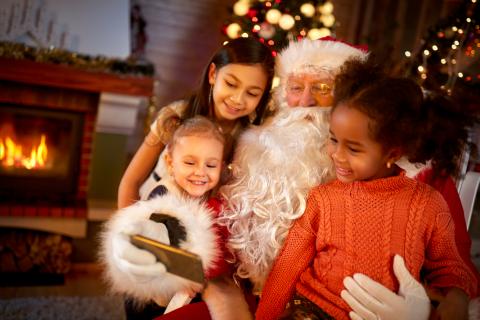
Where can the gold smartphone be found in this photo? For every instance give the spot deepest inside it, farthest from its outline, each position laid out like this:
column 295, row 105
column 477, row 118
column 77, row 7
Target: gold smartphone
column 180, row 262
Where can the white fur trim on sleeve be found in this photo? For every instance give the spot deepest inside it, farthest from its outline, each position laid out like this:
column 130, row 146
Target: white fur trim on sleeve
column 201, row 239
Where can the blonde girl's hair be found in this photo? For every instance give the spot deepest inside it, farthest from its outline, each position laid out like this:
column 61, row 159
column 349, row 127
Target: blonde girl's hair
column 198, row 126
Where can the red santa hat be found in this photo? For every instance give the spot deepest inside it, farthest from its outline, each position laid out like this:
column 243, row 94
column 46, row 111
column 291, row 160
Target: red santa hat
column 309, row 56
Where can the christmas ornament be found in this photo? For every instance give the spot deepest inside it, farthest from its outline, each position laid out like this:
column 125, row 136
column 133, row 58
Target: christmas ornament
column 276, row 22
column 267, row 31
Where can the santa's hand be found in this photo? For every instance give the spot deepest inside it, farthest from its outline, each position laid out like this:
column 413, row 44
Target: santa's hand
column 139, row 263
column 371, row 300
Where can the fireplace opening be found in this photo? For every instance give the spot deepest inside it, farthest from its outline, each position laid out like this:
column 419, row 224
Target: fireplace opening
column 39, row 154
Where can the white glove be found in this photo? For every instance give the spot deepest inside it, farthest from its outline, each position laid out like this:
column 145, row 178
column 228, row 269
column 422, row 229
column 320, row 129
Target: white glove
column 138, row 262
column 371, row 300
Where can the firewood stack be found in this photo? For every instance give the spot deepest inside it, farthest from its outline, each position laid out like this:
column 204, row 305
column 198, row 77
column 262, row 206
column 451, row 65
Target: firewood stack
column 34, row 251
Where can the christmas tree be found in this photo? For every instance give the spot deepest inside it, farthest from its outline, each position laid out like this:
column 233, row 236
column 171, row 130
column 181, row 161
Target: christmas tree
column 448, row 56
column 447, row 59
column 276, row 22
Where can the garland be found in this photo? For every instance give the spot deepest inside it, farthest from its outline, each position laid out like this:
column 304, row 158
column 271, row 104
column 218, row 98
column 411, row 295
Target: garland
column 99, row 63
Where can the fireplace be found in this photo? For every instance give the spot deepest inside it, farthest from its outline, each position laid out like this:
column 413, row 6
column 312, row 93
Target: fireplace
column 39, row 155
column 46, row 137
column 49, row 116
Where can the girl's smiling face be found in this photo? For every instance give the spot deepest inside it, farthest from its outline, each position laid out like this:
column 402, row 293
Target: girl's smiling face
column 237, row 89
column 354, row 152
column 196, row 163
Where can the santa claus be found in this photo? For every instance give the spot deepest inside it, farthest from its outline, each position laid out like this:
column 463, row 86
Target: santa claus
column 277, row 163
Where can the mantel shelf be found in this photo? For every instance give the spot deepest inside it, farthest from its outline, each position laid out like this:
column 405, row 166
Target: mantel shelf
column 53, row 75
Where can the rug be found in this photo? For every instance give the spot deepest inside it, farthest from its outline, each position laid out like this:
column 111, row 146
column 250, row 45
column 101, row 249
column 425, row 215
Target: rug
column 50, row 308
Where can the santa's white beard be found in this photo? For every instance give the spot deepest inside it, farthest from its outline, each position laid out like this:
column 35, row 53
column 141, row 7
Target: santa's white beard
column 274, row 167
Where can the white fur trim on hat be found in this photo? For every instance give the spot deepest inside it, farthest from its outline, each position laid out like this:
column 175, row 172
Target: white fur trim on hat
column 322, row 54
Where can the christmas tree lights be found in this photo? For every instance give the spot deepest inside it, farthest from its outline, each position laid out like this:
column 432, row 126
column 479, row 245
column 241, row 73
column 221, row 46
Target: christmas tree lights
column 450, row 51
column 276, row 22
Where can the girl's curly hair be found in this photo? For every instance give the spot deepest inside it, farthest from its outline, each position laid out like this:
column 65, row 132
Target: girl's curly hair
column 425, row 125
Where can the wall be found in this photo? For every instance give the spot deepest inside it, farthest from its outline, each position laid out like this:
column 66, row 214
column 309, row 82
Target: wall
column 182, row 36
column 92, row 27
column 389, row 27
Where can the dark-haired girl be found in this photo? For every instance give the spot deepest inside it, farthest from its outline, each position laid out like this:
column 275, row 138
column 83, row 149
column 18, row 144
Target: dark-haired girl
column 234, row 92
column 372, row 213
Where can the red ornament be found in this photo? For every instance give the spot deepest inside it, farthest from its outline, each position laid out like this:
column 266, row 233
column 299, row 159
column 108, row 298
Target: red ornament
column 224, row 29
column 252, row 13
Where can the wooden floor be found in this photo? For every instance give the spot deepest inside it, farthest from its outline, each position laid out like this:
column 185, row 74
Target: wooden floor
column 84, row 279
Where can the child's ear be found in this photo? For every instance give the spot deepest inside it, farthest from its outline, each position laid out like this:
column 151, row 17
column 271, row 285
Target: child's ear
column 168, row 161
column 212, row 72
column 394, row 155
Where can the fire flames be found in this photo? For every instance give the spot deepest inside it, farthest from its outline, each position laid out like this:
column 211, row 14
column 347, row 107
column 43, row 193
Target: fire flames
column 12, row 154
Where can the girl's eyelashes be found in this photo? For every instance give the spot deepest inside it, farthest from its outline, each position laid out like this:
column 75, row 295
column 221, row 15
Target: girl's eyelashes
column 191, row 163
column 233, row 84
column 333, row 139
column 230, row 84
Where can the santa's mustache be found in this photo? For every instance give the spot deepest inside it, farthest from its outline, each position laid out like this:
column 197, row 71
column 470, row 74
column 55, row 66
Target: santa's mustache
column 287, row 115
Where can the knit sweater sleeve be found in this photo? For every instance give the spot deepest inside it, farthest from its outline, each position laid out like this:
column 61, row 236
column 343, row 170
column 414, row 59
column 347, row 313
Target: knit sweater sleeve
column 296, row 255
column 443, row 263
column 446, row 187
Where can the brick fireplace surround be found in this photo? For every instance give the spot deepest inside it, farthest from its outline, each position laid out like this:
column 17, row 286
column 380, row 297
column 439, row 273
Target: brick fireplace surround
column 58, row 87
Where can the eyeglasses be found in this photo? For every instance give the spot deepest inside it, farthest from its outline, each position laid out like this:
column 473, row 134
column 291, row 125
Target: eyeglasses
column 316, row 89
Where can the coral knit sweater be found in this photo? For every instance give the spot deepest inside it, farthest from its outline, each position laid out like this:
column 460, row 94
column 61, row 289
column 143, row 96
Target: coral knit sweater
column 359, row 227
column 448, row 190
